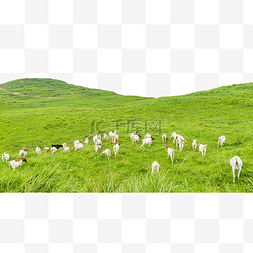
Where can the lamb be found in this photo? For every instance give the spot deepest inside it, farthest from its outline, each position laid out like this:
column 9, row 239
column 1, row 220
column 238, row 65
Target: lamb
column 67, row 149
column 181, row 145
column 170, row 153
column 173, row 135
column 194, row 145
column 53, row 149
column 236, row 164
column 38, row 150
column 86, row 141
column 6, row 157
column 155, row 165
column 164, row 138
column 179, row 140
column 135, row 138
column 46, row 149
column 116, row 148
column 17, row 163
column 147, row 141
column 76, row 142
column 132, row 135
column 221, row 140
column 106, row 137
column 107, row 152
column 202, row 149
column 78, row 146
column 23, row 152
column 115, row 138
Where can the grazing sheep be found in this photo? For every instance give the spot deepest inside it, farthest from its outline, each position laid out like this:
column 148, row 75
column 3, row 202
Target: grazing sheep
column 106, row 137
column 164, row 138
column 115, row 138
column 181, row 145
column 17, row 163
column 78, row 146
column 67, row 149
column 202, row 149
column 53, row 149
column 147, row 141
column 38, row 150
column 116, row 148
column 221, row 140
column 135, row 138
column 86, row 141
column 107, row 152
column 194, row 145
column 77, row 142
column 236, row 164
column 6, row 157
column 46, row 149
column 170, row 153
column 179, row 140
column 173, row 135
column 155, row 165
column 23, row 152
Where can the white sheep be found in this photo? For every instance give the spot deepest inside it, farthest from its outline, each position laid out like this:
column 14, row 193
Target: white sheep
column 66, row 149
column 78, row 146
column 170, row 153
column 116, row 148
column 202, row 149
column 38, row 150
column 6, row 157
column 53, row 149
column 221, row 140
column 17, row 162
column 86, row 141
column 135, row 138
column 173, row 135
column 194, row 145
column 179, row 140
column 164, row 138
column 76, row 142
column 155, row 165
column 236, row 164
column 107, row 152
column 147, row 141
column 23, row 152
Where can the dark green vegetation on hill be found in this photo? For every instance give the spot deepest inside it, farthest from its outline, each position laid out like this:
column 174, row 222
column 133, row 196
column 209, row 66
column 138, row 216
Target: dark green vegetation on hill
column 41, row 112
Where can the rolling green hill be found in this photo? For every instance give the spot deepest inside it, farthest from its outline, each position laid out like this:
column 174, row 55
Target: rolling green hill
column 42, row 112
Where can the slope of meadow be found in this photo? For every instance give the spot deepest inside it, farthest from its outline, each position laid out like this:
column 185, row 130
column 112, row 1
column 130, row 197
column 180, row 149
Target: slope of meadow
column 42, row 112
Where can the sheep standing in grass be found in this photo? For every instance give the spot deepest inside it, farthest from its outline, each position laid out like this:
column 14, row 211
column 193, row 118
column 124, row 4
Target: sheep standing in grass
column 170, row 153
column 236, row 164
column 155, row 165
column 6, row 157
column 116, row 148
column 135, row 138
column 194, row 145
column 147, row 141
column 17, row 162
column 179, row 140
column 78, row 146
column 23, row 152
column 46, row 149
column 38, row 150
column 202, row 149
column 86, row 141
column 164, row 138
column 66, row 149
column 107, row 152
column 221, row 140
column 53, row 149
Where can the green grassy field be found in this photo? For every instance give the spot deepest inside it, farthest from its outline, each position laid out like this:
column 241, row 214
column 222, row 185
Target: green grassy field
column 42, row 112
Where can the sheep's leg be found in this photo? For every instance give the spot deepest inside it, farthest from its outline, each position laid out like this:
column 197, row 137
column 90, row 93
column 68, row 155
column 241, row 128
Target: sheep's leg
column 239, row 174
column 233, row 175
column 157, row 169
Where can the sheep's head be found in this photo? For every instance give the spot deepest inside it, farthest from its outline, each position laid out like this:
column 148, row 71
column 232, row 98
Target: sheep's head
column 152, row 138
column 139, row 134
column 24, row 149
column 101, row 154
column 118, row 143
column 167, row 146
column 198, row 144
column 24, row 159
